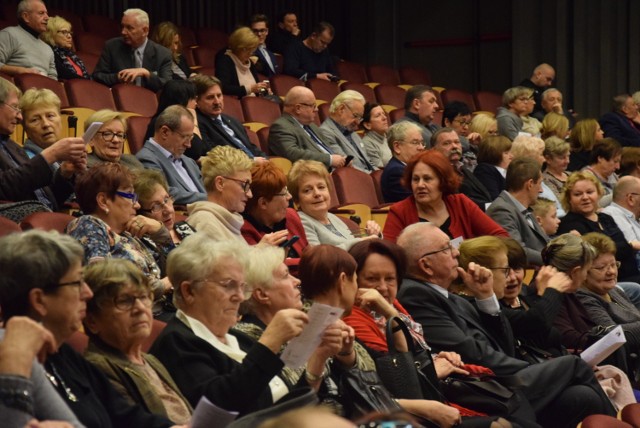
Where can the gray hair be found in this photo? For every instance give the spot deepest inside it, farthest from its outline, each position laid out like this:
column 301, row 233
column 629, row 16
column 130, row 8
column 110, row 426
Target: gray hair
column 264, row 259
column 24, row 5
column 345, row 97
column 141, row 16
column 197, row 257
column 172, row 117
column 548, row 92
column 33, row 259
column 7, row 88
column 567, row 252
column 510, row 95
column 398, row 132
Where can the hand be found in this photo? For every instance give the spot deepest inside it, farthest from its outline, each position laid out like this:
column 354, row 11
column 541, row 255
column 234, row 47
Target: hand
column 370, row 298
column 478, row 279
column 443, row 415
column 295, row 31
column 549, row 277
column 140, row 225
column 129, row 75
column 47, row 424
column 285, row 325
column 372, row 228
column 331, row 342
column 275, row 238
column 259, row 160
column 348, row 338
column 324, row 76
column 24, row 340
column 446, row 363
column 557, row 108
column 474, row 138
column 337, row 161
column 67, row 149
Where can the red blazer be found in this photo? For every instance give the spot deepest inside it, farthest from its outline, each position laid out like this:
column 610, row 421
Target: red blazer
column 367, row 330
column 467, row 219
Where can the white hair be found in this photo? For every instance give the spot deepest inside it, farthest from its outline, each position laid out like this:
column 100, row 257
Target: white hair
column 141, row 16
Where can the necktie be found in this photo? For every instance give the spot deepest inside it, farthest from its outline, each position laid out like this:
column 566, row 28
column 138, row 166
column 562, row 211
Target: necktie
column 362, row 157
column 235, row 140
column 265, row 54
column 317, row 140
column 527, row 214
column 138, row 59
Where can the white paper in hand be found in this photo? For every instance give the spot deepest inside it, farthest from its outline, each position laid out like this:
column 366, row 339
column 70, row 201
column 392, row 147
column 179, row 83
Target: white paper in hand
column 91, row 131
column 300, row 348
column 207, row 414
column 604, row 347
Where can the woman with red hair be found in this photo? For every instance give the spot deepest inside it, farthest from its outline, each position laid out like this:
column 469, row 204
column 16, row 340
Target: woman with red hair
column 434, row 184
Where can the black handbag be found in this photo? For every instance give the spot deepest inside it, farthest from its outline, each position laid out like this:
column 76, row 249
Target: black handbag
column 481, row 394
column 399, row 371
column 362, row 392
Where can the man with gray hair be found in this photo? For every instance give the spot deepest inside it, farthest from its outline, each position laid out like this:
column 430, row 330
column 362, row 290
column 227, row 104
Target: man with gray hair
column 339, row 129
column 621, row 122
column 165, row 150
column 21, row 50
column 405, row 141
column 133, row 58
column 551, row 101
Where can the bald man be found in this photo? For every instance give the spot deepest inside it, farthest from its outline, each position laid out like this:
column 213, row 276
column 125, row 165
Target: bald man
column 541, row 79
column 296, row 136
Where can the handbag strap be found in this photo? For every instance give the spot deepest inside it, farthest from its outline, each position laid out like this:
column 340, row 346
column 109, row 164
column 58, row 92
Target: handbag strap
column 407, row 335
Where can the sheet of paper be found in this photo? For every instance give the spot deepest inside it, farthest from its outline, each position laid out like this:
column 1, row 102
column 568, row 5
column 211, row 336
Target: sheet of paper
column 604, row 347
column 300, row 348
column 207, row 414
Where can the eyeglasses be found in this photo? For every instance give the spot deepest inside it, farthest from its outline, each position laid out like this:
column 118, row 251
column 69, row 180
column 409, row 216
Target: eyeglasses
column 260, row 30
column 66, row 33
column 313, row 106
column 78, row 284
column 133, row 197
column 462, row 122
column 16, row 110
column 506, row 270
column 230, row 286
column 185, row 137
column 246, row 185
column 108, row 136
column 448, row 248
column 415, row 143
column 285, row 192
column 157, row 207
column 356, row 116
column 126, row 302
column 605, row 268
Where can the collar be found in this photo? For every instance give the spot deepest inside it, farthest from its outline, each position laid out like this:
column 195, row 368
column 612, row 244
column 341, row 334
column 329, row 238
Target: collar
column 344, row 131
column 298, row 122
column 517, row 203
column 28, row 29
column 281, row 225
column 142, row 47
column 623, row 210
column 502, row 171
column 231, row 348
column 167, row 154
column 442, row 291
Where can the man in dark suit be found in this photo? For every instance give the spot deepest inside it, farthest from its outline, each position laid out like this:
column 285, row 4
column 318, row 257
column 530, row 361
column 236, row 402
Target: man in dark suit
column 266, row 64
column 133, row 58
column 295, row 135
column 512, row 211
column 620, row 124
column 164, row 152
column 22, row 178
column 557, row 390
column 405, row 141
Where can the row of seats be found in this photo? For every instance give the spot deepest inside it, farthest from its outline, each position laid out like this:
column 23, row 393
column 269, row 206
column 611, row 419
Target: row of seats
column 40, row 220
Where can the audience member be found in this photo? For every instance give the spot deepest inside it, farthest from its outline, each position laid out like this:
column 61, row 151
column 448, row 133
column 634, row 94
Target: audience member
column 216, row 128
column 167, row 34
column 309, row 184
column 266, row 64
column 56, row 296
column 310, row 58
column 420, row 105
column 484, row 124
column 133, row 58
column 286, row 33
column 434, row 199
column 494, row 157
column 21, row 50
column 554, row 125
column 176, row 91
column 339, row 129
column 620, row 123
column 515, row 103
column 42, row 121
column 541, row 79
column 546, row 214
column 376, row 124
column 630, row 162
column 164, row 152
column 405, row 141
column 22, row 178
column 237, row 73
column 530, row 125
column 60, row 37
column 295, row 135
column 625, row 210
column 551, row 101
column 512, row 208
column 108, row 143
column 457, row 115
column 556, row 156
column 118, row 321
column 605, row 160
column 583, row 136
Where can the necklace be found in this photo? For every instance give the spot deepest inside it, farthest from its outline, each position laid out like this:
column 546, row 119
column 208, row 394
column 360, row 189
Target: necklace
column 57, row 381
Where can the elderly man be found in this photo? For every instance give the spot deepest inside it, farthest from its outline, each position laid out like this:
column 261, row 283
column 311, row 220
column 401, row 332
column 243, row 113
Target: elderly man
column 557, row 390
column 21, row 50
column 286, row 33
column 164, row 152
column 23, row 178
column 345, row 115
column 266, row 63
column 310, row 58
column 295, row 135
column 420, row 105
column 621, row 123
column 133, row 58
column 405, row 141
column 625, row 209
column 541, row 78
column 447, row 142
column 551, row 101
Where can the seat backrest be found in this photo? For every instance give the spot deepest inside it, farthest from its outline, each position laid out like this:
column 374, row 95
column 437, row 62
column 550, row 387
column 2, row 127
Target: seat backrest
column 351, row 71
column 46, row 221
column 90, row 60
column 281, row 83
column 283, row 164
column 187, row 37
column 487, row 101
column 323, row 112
column 89, row 94
column 253, row 137
column 136, row 130
column 261, row 110
column 7, row 226
column 450, row 94
column 354, row 187
column 102, row 25
column 135, row 99
column 212, row 37
column 365, row 90
column 352, row 225
column 323, row 89
column 233, row 108
column 376, row 176
column 631, row 414
column 390, row 94
column 156, row 328
column 263, row 137
column 204, row 56
column 383, row 74
column 90, row 42
column 395, row 115
column 414, row 76
column 32, row 80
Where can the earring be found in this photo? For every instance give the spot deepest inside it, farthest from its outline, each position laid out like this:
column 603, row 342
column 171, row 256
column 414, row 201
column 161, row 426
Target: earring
column 106, row 211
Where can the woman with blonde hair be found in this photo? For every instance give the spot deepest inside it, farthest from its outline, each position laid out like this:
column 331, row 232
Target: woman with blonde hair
column 584, row 135
column 167, row 34
column 485, row 125
column 108, row 143
column 60, row 37
column 555, row 124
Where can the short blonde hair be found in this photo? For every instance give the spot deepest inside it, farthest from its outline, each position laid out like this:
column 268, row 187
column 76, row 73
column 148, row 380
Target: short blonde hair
column 243, row 38
column 554, row 124
column 301, row 169
column 512, row 94
column 54, row 25
column 527, row 146
column 105, row 116
column 482, row 250
column 481, row 123
column 35, row 98
column 146, row 181
column 601, row 242
column 542, row 206
column 345, row 97
column 555, row 147
column 565, row 196
column 223, row 160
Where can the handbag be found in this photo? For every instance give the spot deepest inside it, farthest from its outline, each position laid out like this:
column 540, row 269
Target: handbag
column 532, row 354
column 398, row 370
column 362, row 392
column 482, row 394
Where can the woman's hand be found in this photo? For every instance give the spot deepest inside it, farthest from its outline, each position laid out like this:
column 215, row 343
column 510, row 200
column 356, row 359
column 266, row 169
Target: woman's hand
column 332, row 341
column 260, row 87
column 549, row 277
column 23, row 341
column 478, row 279
column 275, row 238
column 140, row 225
column 285, row 325
column 446, row 363
column 372, row 228
column 443, row 415
column 371, row 299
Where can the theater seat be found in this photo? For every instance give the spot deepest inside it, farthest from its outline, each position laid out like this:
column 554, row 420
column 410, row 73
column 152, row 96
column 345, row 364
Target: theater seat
column 323, row 89
column 260, row 110
column 351, row 71
column 487, row 101
column 7, row 226
column 136, row 130
column 383, row 74
column 414, row 76
column 281, row 84
column 390, row 95
column 135, row 99
column 451, row 94
column 32, row 80
column 156, row 328
column 363, row 89
column 89, row 94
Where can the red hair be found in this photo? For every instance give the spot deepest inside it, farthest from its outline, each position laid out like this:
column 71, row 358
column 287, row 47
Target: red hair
column 449, row 179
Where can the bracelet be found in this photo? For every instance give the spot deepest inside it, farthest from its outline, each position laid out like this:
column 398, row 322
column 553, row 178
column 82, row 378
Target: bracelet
column 311, row 378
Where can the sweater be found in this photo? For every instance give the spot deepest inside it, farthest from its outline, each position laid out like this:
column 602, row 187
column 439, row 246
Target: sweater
column 18, row 47
column 215, row 220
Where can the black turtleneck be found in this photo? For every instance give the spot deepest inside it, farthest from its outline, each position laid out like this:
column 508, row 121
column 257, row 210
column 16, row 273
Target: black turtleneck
column 29, row 30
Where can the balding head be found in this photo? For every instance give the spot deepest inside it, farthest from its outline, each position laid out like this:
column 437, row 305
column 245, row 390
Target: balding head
column 414, row 243
column 543, row 75
column 626, row 193
column 300, row 102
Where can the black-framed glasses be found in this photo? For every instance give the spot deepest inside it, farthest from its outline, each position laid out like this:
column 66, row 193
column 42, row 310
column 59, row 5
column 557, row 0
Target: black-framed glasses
column 462, row 122
column 506, row 270
column 245, row 184
column 284, row 193
column 126, row 302
column 108, row 136
column 16, row 110
column 356, row 116
column 133, row 197
column 157, row 207
column 448, row 248
column 78, row 284
column 615, row 265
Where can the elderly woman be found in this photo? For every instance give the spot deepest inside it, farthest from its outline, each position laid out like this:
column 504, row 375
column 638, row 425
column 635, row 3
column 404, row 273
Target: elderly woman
column 56, row 296
column 494, row 157
column 434, row 184
column 517, row 103
column 118, row 322
column 235, row 69
column 167, row 34
column 583, row 136
column 60, row 37
column 156, row 203
column 309, row 184
column 376, row 124
column 555, row 125
column 484, row 124
column 199, row 348
column 111, row 228
column 108, row 143
column 605, row 160
column 267, row 217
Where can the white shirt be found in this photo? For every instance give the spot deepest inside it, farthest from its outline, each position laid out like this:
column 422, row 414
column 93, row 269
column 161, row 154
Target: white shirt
column 625, row 220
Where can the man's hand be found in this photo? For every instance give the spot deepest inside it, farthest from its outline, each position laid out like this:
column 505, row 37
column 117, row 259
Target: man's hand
column 337, row 161
column 70, row 149
column 478, row 279
column 129, row 75
column 324, row 76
